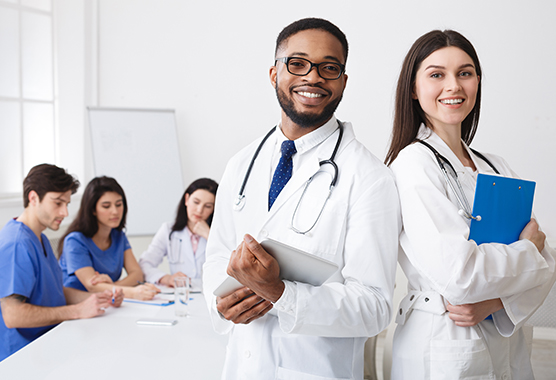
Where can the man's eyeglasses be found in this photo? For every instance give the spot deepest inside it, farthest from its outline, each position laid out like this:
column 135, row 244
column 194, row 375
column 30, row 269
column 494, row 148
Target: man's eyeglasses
column 301, row 67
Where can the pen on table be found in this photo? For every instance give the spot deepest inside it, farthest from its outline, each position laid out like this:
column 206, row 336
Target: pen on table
column 145, row 283
column 113, row 294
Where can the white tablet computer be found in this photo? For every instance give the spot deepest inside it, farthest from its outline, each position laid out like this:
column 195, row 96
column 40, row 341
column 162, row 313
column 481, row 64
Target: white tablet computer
column 295, row 265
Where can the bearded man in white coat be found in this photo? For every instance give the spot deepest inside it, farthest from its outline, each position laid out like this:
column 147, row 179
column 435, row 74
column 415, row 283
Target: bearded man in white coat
column 313, row 332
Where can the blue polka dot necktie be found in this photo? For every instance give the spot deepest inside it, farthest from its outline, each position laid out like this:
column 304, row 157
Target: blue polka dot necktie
column 283, row 171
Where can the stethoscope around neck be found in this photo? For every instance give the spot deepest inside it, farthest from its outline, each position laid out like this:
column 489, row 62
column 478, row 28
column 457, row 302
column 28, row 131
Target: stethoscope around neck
column 464, row 210
column 239, row 202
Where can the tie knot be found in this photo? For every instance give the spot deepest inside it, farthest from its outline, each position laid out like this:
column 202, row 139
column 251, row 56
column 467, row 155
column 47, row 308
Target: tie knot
column 288, row 149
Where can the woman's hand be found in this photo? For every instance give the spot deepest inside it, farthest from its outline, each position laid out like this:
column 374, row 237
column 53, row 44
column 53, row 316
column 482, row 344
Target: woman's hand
column 145, row 292
column 118, row 297
column 168, row 280
column 531, row 232
column 100, row 278
column 471, row 314
column 201, row 228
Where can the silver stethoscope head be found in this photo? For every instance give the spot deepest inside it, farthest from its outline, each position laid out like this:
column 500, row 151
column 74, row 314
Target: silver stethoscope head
column 239, row 202
column 467, row 215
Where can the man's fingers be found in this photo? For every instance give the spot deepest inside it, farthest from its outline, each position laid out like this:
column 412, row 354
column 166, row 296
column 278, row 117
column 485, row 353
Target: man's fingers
column 257, row 250
column 241, row 305
column 256, row 312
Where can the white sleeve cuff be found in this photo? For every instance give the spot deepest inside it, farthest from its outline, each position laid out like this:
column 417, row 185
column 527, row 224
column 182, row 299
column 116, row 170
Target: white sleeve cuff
column 287, row 302
column 503, row 322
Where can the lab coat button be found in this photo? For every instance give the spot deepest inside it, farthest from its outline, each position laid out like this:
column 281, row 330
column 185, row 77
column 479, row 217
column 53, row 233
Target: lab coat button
column 247, row 354
column 264, row 233
column 426, row 299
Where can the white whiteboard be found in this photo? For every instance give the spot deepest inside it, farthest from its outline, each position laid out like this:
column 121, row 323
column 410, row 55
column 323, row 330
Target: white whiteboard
column 139, row 148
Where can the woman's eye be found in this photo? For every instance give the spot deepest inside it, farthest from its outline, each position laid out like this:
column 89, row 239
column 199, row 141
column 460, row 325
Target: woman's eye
column 436, row 75
column 465, row 74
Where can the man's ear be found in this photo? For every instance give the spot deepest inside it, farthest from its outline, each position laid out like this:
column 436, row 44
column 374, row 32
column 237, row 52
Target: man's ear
column 272, row 75
column 34, row 199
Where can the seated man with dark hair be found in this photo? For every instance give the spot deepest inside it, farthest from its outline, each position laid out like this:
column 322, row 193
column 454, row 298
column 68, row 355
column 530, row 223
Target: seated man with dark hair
column 32, row 297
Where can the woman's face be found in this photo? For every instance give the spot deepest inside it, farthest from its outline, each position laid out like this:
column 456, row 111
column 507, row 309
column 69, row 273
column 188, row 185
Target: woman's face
column 200, row 205
column 110, row 209
column 446, row 86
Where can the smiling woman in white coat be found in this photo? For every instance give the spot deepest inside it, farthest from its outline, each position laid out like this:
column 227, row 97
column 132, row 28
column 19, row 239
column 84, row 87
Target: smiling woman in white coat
column 183, row 241
column 466, row 303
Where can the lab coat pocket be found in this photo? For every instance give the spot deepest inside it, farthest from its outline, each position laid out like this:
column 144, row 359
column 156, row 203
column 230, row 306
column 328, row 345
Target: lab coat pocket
column 460, row 359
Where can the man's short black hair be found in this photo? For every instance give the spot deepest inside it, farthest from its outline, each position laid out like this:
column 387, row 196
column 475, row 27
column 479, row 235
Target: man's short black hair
column 308, row 24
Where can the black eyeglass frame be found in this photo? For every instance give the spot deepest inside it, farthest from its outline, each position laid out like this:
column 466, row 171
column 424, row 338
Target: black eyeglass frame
column 286, row 60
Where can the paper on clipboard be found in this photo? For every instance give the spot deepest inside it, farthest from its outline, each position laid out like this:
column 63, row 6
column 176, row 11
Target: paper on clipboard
column 505, row 206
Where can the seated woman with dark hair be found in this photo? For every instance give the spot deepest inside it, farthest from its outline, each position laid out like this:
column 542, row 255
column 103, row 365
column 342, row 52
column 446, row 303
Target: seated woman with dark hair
column 183, row 242
column 95, row 249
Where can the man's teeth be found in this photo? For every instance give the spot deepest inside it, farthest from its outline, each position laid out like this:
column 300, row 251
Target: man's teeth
column 309, row 94
column 451, row 101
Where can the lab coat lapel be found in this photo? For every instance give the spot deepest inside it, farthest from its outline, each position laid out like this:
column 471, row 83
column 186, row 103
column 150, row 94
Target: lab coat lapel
column 297, row 180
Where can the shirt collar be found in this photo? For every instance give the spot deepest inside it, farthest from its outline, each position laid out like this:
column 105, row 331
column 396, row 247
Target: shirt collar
column 307, row 142
column 189, row 232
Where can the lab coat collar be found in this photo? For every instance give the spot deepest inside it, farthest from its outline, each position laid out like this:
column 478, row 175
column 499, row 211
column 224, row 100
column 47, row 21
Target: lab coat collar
column 312, row 139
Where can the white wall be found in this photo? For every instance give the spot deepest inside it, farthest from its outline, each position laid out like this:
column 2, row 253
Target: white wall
column 209, row 60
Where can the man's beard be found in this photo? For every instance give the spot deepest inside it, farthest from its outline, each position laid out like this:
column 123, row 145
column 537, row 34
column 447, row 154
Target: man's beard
column 305, row 120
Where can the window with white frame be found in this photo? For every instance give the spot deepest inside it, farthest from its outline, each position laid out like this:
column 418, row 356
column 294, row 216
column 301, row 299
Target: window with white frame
column 27, row 90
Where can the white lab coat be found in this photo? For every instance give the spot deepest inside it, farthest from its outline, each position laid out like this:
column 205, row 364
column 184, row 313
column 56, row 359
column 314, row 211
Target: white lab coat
column 442, row 266
column 179, row 252
column 322, row 335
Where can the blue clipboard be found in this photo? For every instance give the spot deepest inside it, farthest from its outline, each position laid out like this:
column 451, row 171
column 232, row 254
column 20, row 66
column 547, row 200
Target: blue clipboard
column 505, row 206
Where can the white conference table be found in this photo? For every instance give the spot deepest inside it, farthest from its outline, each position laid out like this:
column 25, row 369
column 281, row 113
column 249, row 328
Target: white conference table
column 114, row 346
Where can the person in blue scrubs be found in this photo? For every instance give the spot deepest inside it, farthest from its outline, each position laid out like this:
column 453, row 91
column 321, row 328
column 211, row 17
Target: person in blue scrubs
column 95, row 249
column 32, row 297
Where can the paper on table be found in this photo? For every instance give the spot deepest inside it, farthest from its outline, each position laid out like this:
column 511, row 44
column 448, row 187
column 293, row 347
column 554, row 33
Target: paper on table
column 169, row 290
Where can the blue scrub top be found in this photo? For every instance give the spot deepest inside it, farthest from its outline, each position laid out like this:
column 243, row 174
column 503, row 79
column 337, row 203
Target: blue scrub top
column 80, row 252
column 26, row 270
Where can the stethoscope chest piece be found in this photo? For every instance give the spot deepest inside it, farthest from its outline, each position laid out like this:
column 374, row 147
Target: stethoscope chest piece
column 239, row 202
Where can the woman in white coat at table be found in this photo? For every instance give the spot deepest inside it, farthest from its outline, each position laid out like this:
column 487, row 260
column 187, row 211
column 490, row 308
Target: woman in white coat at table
column 467, row 303
column 184, row 240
